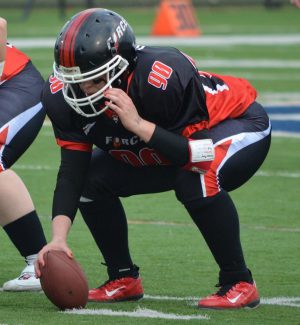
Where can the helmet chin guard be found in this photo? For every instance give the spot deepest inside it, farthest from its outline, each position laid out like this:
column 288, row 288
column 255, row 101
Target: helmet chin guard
column 112, row 70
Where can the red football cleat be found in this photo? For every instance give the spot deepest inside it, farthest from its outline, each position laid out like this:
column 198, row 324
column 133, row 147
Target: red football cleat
column 123, row 289
column 239, row 295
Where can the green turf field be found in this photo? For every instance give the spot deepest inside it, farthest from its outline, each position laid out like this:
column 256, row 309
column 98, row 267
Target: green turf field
column 174, row 260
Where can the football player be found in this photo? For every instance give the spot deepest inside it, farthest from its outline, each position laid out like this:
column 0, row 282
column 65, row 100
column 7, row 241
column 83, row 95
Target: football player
column 140, row 119
column 21, row 117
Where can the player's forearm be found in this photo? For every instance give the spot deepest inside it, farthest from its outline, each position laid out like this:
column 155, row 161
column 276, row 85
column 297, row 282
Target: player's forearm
column 191, row 154
column 70, row 181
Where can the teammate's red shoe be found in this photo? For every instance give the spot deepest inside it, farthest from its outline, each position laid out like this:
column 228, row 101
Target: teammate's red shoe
column 239, row 295
column 123, row 289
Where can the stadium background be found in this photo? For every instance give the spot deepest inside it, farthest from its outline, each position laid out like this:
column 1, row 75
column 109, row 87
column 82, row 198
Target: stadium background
column 111, row 3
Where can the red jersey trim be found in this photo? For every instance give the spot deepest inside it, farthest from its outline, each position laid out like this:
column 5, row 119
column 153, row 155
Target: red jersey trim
column 129, row 81
column 190, row 129
column 75, row 145
column 15, row 61
column 211, row 178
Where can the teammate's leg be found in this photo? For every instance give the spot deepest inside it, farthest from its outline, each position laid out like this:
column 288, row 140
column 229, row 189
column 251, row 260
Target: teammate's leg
column 20, row 123
column 21, row 223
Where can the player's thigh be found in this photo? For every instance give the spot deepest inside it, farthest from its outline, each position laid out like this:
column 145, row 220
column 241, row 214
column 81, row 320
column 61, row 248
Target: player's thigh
column 241, row 145
column 21, row 92
column 241, row 154
column 108, row 175
column 242, row 165
column 21, row 114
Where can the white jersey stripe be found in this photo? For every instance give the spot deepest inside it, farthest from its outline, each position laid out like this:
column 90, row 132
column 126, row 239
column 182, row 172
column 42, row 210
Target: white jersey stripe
column 240, row 141
column 16, row 124
column 202, row 179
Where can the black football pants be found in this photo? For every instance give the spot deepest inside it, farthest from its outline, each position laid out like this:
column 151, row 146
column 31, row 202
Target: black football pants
column 241, row 146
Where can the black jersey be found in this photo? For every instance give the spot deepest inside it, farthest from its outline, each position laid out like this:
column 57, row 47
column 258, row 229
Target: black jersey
column 167, row 89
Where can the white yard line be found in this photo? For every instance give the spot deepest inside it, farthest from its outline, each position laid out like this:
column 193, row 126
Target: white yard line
column 212, row 40
column 248, row 63
column 265, row 173
column 281, row 134
column 192, row 300
column 284, row 117
column 278, row 301
column 222, row 40
column 150, row 313
column 178, row 224
column 274, row 133
column 161, row 223
column 259, row 173
column 138, row 313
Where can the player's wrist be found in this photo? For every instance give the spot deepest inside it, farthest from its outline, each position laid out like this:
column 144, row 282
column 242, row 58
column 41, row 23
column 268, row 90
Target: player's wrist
column 144, row 129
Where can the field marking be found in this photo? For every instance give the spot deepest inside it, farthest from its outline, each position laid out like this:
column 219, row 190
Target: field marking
column 185, row 224
column 150, row 313
column 212, row 40
column 279, row 98
column 282, row 134
column 248, row 63
column 190, row 224
column 138, row 313
column 276, row 301
column 272, row 228
column 284, row 117
column 266, row 173
column 47, row 124
column 33, row 167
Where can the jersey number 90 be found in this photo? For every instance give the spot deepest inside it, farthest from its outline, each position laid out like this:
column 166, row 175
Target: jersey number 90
column 159, row 75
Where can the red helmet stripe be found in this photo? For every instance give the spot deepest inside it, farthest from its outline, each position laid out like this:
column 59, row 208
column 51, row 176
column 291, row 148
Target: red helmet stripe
column 67, row 53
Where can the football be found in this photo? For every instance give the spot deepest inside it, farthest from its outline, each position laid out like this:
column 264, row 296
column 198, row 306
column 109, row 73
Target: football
column 64, row 281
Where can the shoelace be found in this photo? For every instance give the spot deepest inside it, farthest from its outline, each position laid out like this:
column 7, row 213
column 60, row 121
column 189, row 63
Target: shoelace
column 110, row 284
column 225, row 290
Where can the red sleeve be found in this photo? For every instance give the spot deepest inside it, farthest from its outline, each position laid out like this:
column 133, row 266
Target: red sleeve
column 15, row 61
column 229, row 99
column 225, row 97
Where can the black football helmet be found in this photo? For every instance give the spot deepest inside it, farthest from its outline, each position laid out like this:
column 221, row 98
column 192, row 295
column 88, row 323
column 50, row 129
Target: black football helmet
column 94, row 44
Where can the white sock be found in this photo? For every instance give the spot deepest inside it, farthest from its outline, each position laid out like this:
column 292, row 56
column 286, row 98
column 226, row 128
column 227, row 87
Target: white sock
column 30, row 259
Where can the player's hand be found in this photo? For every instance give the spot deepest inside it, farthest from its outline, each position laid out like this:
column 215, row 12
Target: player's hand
column 123, row 106
column 53, row 245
